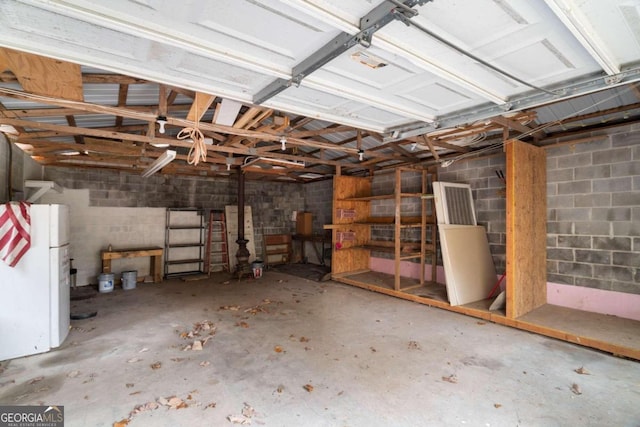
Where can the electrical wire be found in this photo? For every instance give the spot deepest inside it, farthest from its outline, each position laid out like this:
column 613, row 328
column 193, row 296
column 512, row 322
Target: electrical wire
column 500, row 144
column 198, row 150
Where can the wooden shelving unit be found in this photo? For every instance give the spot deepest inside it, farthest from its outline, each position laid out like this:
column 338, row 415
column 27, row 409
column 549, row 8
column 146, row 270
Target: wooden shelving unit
column 526, row 305
column 353, row 194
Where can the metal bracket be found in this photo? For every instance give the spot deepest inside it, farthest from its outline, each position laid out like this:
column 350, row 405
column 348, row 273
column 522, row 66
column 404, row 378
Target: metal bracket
column 377, row 18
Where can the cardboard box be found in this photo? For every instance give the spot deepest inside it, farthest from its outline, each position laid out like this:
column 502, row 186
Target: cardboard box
column 304, row 223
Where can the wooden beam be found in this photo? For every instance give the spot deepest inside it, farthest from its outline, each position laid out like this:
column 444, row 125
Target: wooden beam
column 517, row 126
column 93, row 78
column 58, row 112
column 300, row 122
column 123, row 91
column 434, row 153
column 125, row 112
column 162, row 100
column 72, row 122
column 247, row 117
column 526, row 228
column 45, row 76
column 323, row 131
column 446, row 145
column 142, row 138
column 200, row 106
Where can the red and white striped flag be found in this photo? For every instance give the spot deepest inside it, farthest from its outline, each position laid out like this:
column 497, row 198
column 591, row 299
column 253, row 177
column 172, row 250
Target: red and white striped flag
column 15, row 226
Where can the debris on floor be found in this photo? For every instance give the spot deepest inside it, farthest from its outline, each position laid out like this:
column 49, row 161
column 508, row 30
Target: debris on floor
column 156, row 365
column 199, row 328
column 245, row 418
column 308, row 387
column 451, row 379
column 35, row 380
column 497, row 405
column 413, row 345
column 575, row 388
column 278, row 349
column 73, row 374
column 173, row 402
column 582, row 371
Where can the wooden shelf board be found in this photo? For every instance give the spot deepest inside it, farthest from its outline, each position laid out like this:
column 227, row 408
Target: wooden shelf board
column 604, row 332
column 380, row 197
column 277, row 251
column 607, row 333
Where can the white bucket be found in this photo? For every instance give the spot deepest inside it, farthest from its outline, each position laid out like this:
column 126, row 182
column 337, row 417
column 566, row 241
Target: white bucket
column 105, row 282
column 129, row 280
column 256, row 266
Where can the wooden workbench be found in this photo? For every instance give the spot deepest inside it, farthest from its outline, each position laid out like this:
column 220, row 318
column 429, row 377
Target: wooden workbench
column 155, row 262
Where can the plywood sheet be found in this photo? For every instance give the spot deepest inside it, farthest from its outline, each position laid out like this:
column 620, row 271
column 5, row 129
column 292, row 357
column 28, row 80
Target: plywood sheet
column 231, row 216
column 347, row 259
column 468, row 266
column 526, row 228
column 44, row 76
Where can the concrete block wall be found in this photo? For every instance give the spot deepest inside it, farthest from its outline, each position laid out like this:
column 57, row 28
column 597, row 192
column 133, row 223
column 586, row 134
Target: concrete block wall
column 318, row 199
column 593, row 209
column 489, row 199
column 272, row 203
column 593, row 212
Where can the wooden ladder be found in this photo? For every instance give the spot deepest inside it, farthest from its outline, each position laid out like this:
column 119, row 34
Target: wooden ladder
column 217, row 250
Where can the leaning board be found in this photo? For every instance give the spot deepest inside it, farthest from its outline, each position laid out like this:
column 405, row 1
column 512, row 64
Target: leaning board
column 468, row 265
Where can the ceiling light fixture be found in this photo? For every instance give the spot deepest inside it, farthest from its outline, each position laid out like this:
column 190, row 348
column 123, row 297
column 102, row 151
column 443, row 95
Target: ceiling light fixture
column 361, row 154
column 161, row 120
column 166, row 158
column 274, row 161
column 414, row 146
column 447, row 163
column 283, row 141
column 160, row 144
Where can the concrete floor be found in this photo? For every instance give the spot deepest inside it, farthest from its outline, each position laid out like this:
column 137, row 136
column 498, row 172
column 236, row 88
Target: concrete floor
column 366, row 359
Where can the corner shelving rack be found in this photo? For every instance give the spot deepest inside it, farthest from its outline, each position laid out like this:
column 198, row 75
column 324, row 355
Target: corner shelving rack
column 353, row 195
column 184, row 241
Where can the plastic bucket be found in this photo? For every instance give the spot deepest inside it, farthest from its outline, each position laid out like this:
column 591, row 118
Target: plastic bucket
column 129, row 280
column 257, row 266
column 105, row 282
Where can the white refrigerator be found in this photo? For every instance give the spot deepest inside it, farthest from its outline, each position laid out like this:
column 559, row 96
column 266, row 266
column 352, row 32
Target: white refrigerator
column 34, row 295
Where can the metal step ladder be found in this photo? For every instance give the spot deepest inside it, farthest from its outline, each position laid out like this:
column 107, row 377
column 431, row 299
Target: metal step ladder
column 217, row 250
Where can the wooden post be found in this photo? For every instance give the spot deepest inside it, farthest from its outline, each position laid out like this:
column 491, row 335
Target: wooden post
column 526, row 228
column 397, row 228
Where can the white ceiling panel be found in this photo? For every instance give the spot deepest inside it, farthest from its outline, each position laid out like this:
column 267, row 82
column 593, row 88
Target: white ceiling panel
column 609, row 30
column 438, row 61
